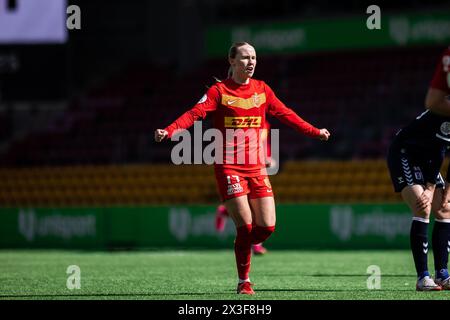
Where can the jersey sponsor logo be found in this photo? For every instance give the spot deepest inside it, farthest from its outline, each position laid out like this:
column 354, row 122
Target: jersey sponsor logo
column 242, row 122
column 255, row 101
column 203, row 99
column 234, row 188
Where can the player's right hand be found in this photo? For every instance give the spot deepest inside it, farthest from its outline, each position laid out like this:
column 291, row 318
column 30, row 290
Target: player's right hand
column 423, row 203
column 324, row 134
column 160, row 135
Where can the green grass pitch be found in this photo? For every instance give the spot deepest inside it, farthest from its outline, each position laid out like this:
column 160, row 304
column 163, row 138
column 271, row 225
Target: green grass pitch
column 211, row 275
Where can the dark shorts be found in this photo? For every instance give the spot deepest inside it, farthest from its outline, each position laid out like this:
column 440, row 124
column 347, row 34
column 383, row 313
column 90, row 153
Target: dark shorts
column 407, row 169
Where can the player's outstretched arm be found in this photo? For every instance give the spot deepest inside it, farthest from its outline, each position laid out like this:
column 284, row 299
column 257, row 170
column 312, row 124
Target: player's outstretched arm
column 324, row 134
column 160, row 135
column 289, row 117
column 207, row 104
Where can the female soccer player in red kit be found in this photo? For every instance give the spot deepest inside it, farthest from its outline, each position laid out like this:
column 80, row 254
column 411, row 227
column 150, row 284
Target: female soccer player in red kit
column 241, row 102
column 221, row 211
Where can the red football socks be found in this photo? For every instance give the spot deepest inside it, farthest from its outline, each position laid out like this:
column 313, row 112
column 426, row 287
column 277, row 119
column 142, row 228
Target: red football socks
column 242, row 250
column 260, row 234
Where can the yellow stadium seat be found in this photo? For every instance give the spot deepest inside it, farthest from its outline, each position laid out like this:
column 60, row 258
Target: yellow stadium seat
column 296, row 182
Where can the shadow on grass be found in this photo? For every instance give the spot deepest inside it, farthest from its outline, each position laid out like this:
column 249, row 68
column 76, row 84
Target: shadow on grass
column 337, row 275
column 328, row 290
column 230, row 292
column 363, row 275
column 113, row 295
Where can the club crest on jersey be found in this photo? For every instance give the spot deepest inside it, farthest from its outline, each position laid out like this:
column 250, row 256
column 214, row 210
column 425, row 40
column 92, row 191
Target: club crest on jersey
column 256, row 100
column 445, row 128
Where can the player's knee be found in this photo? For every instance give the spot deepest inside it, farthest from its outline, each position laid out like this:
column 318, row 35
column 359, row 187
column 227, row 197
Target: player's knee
column 422, row 214
column 260, row 234
column 244, row 234
column 443, row 212
column 425, row 214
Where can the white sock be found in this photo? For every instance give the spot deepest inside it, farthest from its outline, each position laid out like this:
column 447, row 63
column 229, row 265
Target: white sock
column 242, row 281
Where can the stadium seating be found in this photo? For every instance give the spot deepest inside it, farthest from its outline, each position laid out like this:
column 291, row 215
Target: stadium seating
column 90, row 154
column 108, row 185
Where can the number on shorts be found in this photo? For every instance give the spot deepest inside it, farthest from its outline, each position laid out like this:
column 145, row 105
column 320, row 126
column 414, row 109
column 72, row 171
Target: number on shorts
column 229, row 179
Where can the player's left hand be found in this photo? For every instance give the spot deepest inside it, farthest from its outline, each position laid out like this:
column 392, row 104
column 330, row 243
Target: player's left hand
column 160, row 135
column 324, row 134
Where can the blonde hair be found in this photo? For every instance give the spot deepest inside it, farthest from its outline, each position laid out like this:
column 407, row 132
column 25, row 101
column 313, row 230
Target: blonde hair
column 232, row 54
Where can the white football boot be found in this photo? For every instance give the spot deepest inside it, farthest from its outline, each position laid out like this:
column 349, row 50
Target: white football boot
column 427, row 284
column 444, row 284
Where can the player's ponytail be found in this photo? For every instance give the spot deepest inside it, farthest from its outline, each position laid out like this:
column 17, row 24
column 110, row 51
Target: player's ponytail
column 216, row 80
column 232, row 54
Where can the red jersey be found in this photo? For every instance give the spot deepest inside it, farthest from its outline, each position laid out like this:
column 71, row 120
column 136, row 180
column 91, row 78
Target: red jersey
column 441, row 78
column 241, row 106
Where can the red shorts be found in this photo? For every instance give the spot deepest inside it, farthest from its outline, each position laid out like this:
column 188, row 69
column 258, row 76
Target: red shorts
column 234, row 184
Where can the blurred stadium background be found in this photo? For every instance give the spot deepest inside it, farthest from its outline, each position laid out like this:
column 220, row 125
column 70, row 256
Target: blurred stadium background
column 80, row 169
